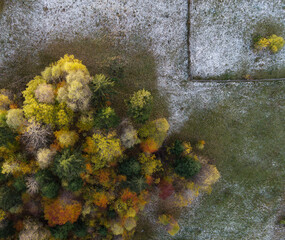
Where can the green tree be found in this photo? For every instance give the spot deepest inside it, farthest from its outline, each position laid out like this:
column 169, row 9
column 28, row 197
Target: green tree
column 140, row 106
column 187, row 167
column 68, row 165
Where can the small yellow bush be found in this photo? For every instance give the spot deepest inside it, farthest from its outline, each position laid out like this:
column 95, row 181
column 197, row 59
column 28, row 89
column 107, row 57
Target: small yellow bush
column 274, row 43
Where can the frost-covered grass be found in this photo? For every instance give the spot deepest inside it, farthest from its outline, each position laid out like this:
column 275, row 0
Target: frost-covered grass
column 244, row 134
column 221, row 38
column 241, row 123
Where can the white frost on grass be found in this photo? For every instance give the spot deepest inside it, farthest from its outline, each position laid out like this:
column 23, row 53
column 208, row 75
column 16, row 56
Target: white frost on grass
column 160, row 25
column 222, row 32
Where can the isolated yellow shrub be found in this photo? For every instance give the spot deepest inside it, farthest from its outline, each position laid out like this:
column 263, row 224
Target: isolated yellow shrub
column 274, row 43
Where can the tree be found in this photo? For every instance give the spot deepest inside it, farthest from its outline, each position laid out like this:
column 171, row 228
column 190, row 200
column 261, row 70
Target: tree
column 187, row 167
column 45, row 157
column 106, row 119
column 45, row 93
column 68, row 165
column 128, row 136
column 61, row 211
column 36, row 136
column 140, row 106
column 9, row 198
column 101, row 87
column 66, row 138
column 103, row 150
column 153, row 134
column 49, row 185
column 75, row 93
column 33, row 230
column 15, row 119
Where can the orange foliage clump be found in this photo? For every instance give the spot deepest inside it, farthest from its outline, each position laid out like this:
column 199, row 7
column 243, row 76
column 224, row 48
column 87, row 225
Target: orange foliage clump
column 19, row 225
column 130, row 198
column 59, row 212
column 101, row 199
column 149, row 146
column 13, row 106
column 89, row 168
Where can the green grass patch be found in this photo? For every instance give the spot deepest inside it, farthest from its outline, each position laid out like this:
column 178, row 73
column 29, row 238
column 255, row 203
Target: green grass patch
column 244, row 136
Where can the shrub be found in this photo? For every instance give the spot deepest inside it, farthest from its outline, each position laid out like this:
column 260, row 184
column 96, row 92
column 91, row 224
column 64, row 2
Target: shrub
column 66, row 138
column 274, row 43
column 68, row 165
column 140, row 106
column 106, row 118
column 186, row 167
column 15, row 118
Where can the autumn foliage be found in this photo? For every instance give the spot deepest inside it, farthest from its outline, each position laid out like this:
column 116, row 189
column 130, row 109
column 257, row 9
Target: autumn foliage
column 72, row 169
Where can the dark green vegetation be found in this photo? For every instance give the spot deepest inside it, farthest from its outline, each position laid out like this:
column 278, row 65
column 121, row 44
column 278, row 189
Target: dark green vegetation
column 245, row 135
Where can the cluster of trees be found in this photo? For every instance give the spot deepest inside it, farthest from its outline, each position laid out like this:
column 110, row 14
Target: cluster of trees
column 70, row 167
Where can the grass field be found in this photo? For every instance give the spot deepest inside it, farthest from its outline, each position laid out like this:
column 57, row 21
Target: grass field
column 245, row 136
column 221, row 38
